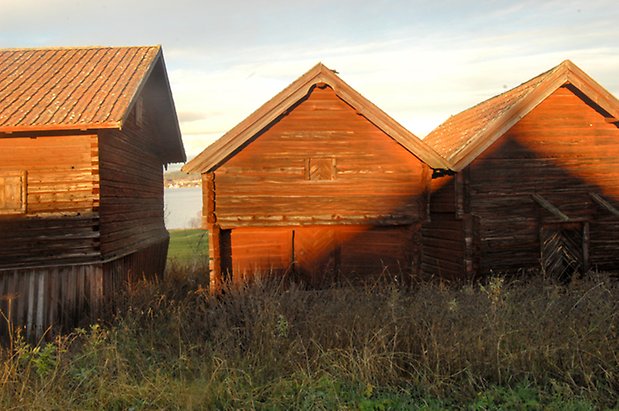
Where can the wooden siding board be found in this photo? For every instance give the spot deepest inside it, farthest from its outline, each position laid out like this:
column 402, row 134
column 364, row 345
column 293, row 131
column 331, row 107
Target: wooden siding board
column 563, row 151
column 320, row 255
column 131, row 184
column 265, row 182
column 60, row 221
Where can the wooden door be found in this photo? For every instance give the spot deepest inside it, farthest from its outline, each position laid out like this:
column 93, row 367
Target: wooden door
column 320, row 255
column 352, row 253
column 316, row 254
column 260, row 252
column 563, row 250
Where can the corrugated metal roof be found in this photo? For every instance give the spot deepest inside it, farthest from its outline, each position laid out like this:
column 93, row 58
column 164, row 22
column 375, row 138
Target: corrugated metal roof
column 462, row 137
column 69, row 88
column 218, row 152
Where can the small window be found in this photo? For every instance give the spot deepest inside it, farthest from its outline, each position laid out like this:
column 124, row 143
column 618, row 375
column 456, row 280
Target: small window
column 12, row 192
column 320, row 169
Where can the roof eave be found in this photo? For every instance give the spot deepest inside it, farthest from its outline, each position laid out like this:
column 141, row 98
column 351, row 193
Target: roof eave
column 215, row 154
column 500, row 125
column 61, row 127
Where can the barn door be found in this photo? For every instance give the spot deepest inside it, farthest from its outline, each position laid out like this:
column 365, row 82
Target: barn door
column 563, row 249
column 316, row 254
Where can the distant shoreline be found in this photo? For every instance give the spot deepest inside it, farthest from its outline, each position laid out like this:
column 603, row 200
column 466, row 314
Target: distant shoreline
column 182, row 184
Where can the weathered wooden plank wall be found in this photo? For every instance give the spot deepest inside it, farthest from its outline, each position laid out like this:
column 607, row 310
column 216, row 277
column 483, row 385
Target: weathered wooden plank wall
column 131, row 174
column 62, row 188
column 62, row 297
column 443, row 247
column 320, row 255
column 375, row 180
column 563, row 151
column 316, row 192
column 43, row 297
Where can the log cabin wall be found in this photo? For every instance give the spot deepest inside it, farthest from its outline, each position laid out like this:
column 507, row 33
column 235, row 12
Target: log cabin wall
column 318, row 180
column 450, row 237
column 64, row 252
column 132, row 214
column 564, row 151
column 61, row 186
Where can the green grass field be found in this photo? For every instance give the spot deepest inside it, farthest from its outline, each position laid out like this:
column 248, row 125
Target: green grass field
column 188, row 245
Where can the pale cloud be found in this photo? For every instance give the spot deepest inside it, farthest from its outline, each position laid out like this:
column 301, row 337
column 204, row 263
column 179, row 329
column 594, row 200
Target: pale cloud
column 419, row 61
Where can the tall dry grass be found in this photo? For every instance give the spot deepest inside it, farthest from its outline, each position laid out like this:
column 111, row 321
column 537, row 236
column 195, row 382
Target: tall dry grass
column 533, row 345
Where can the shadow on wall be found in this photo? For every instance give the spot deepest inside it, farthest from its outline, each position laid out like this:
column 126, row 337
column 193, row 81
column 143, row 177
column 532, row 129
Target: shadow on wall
column 543, row 197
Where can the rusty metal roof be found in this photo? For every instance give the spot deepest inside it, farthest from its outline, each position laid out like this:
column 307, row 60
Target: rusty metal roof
column 225, row 147
column 464, row 136
column 70, row 88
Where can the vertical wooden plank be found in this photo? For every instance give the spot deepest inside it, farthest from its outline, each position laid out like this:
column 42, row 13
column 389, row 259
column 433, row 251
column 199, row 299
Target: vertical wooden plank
column 216, row 279
column 585, row 246
column 209, row 221
column 29, row 275
column 459, row 194
column 41, row 304
column 426, row 181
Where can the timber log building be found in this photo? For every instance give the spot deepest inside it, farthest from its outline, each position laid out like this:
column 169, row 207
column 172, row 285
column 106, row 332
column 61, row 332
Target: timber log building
column 322, row 184
column 84, row 135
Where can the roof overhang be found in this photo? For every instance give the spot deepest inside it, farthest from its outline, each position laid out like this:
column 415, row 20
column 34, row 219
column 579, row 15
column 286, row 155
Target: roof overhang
column 226, row 146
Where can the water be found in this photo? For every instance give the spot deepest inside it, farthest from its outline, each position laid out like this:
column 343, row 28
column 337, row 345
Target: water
column 183, row 207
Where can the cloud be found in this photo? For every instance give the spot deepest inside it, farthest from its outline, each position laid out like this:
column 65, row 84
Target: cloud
column 418, row 61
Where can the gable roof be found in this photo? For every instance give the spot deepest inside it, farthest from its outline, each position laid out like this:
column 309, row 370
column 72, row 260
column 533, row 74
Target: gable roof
column 222, row 149
column 83, row 88
column 466, row 135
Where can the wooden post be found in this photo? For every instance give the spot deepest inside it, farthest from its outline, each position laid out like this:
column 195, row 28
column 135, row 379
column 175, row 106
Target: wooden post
column 209, row 221
column 585, row 247
column 459, row 194
column 426, row 176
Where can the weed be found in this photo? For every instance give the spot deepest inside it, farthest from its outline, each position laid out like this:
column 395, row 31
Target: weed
column 500, row 345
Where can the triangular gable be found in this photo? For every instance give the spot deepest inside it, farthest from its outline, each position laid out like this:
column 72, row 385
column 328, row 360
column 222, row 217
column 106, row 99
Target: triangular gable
column 82, row 88
column 463, row 137
column 225, row 147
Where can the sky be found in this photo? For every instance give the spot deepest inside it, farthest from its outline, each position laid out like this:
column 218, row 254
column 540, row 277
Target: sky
column 419, row 61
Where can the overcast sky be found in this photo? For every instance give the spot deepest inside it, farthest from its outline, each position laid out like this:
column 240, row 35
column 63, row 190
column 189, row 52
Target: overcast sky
column 420, row 61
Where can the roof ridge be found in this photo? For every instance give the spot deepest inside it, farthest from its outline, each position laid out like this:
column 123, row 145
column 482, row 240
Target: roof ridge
column 462, row 137
column 225, row 146
column 51, row 48
column 534, row 82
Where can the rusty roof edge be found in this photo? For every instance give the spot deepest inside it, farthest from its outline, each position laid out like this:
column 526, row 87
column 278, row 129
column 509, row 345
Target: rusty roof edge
column 388, row 124
column 430, row 138
column 213, row 155
column 554, row 79
column 564, row 73
column 592, row 89
column 140, row 87
column 221, row 149
column 61, row 127
column 177, row 129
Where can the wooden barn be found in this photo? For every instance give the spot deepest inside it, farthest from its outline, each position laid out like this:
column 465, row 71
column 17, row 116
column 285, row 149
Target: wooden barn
column 84, row 136
column 318, row 183
column 536, row 181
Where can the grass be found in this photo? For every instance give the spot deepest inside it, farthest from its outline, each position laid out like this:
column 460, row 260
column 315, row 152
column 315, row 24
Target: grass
column 188, row 245
column 500, row 345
